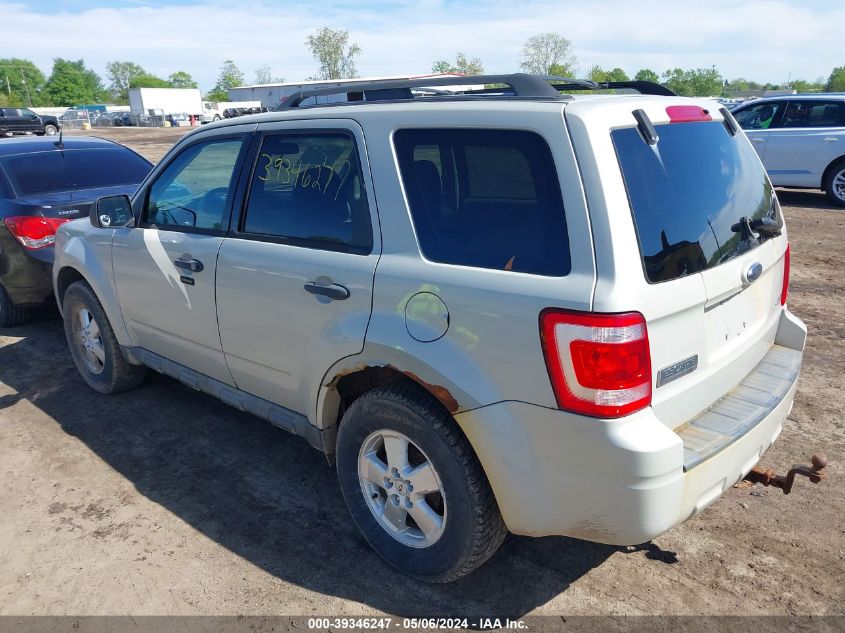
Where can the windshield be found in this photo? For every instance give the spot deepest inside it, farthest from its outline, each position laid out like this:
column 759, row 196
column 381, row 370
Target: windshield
column 687, row 191
column 54, row 171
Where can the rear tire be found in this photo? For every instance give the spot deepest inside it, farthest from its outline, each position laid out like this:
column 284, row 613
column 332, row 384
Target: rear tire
column 430, row 513
column 834, row 183
column 93, row 345
column 10, row 314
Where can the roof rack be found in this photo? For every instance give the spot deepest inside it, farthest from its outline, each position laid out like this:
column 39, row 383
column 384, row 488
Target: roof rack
column 643, row 87
column 517, row 84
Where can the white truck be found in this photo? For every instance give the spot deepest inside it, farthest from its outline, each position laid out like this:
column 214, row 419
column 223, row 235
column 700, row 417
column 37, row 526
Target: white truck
column 164, row 101
column 212, row 111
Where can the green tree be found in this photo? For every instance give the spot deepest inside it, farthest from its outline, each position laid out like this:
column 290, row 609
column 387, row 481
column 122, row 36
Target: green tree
column 120, row 76
column 149, row 81
column 545, row 52
column 181, row 79
column 802, row 86
column 263, row 75
column 740, row 84
column 699, row 82
column 597, row 74
column 332, row 50
column 71, row 83
column 21, row 82
column 647, row 74
column 230, row 77
column 836, row 82
column 462, row 66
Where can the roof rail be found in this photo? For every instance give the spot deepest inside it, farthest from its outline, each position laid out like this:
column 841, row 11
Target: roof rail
column 643, row 87
column 518, row 84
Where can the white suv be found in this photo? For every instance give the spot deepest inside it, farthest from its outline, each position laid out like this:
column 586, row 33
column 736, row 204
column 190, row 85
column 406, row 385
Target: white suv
column 800, row 139
column 515, row 310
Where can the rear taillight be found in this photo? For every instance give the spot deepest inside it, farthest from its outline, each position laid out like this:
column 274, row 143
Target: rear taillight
column 599, row 364
column 785, row 288
column 34, row 232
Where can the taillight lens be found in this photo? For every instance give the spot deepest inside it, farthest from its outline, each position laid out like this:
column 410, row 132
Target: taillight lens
column 785, row 289
column 687, row 114
column 34, row 232
column 599, row 364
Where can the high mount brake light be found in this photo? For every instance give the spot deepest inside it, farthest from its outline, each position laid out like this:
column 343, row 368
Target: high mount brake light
column 34, row 231
column 687, row 114
column 785, row 288
column 599, row 364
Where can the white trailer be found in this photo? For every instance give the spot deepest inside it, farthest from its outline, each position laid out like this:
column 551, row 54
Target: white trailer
column 164, row 101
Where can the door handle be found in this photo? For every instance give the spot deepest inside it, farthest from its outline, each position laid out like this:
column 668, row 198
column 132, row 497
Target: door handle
column 194, row 265
column 757, row 140
column 830, row 139
column 333, row 291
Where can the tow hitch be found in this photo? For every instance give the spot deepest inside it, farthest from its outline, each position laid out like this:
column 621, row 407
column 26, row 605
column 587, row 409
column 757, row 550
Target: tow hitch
column 768, row 477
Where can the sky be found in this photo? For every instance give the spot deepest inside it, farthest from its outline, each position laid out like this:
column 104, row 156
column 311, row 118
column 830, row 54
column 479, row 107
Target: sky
column 764, row 40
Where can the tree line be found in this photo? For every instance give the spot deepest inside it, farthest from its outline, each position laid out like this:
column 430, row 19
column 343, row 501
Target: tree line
column 71, row 82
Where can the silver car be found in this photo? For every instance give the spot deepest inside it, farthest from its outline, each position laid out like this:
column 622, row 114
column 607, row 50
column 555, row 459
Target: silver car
column 800, row 139
column 520, row 311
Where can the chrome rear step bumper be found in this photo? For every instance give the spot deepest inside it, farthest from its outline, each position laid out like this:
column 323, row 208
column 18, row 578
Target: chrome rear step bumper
column 743, row 408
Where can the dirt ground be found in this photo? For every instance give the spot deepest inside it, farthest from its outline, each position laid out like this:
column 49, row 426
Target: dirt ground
column 165, row 501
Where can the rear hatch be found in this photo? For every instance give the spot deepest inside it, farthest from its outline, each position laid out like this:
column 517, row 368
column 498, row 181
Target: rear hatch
column 669, row 215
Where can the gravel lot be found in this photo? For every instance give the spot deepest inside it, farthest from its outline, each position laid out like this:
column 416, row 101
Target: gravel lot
column 164, row 501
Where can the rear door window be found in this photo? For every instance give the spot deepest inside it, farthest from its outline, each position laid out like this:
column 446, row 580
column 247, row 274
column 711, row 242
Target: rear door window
column 688, row 191
column 307, row 190
column 485, row 198
column 807, row 113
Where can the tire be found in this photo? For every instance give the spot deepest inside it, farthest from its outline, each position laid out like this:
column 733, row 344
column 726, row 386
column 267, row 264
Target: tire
column 834, row 183
column 50, row 129
column 93, row 345
column 464, row 526
column 10, row 314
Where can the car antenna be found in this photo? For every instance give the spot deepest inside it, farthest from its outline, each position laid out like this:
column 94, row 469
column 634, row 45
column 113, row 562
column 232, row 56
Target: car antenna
column 60, row 144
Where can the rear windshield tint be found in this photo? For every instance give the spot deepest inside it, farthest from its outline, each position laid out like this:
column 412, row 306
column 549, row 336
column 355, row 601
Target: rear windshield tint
column 48, row 172
column 485, row 198
column 687, row 191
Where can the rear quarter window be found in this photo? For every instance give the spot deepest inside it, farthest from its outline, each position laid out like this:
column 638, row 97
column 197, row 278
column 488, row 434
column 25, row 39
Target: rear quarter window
column 485, row 198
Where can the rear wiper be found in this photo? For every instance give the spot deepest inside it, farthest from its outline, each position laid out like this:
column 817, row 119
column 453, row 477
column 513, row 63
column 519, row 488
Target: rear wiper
column 746, row 227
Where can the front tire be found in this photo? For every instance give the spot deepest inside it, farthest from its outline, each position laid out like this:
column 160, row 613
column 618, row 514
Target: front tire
column 414, row 486
column 93, row 345
column 10, row 314
column 50, row 129
column 834, row 184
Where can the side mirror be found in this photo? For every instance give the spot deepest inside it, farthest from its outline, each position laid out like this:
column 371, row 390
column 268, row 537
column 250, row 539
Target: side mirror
column 111, row 212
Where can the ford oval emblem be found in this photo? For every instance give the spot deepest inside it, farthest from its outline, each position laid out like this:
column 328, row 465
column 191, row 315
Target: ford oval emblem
column 752, row 273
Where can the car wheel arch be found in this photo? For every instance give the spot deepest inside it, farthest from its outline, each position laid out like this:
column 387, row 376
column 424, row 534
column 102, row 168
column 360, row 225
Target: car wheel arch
column 829, row 168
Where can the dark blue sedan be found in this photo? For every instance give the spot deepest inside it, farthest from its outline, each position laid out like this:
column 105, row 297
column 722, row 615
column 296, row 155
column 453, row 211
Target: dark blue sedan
column 44, row 183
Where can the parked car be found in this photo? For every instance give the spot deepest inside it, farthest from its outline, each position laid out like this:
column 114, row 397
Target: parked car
column 800, row 139
column 486, row 310
column 43, row 185
column 24, row 121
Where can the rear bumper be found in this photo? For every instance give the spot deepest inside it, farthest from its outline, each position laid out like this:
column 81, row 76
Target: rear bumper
column 27, row 280
column 623, row 481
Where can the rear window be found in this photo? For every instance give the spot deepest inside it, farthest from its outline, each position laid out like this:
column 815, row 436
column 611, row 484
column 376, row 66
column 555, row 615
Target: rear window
column 485, row 198
column 687, row 191
column 48, row 172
